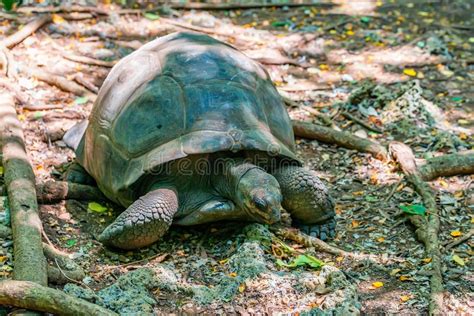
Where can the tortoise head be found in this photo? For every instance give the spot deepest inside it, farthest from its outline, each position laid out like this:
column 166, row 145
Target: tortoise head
column 259, row 195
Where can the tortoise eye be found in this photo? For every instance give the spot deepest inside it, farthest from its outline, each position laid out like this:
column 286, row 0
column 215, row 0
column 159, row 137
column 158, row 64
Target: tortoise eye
column 260, row 204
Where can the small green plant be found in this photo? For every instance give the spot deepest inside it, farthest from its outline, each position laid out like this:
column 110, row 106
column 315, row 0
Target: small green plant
column 8, row 4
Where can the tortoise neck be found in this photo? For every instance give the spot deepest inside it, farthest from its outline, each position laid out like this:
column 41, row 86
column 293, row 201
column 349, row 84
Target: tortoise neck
column 229, row 172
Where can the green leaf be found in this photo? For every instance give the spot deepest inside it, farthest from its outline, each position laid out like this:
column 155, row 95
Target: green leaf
column 415, row 209
column 151, row 16
column 1, row 170
column 81, row 100
column 8, row 4
column 96, row 207
column 370, row 198
column 302, row 260
column 458, row 260
column 38, row 115
column 280, row 23
column 365, row 19
column 70, row 243
column 456, row 99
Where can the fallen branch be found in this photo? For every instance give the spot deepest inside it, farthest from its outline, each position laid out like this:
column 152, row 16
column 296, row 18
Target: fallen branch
column 427, row 228
column 66, row 9
column 344, row 139
column 25, row 31
column 306, row 240
column 30, row 263
column 32, row 296
column 89, row 61
column 55, row 191
column 56, row 80
column 351, row 117
column 245, row 6
column 447, row 165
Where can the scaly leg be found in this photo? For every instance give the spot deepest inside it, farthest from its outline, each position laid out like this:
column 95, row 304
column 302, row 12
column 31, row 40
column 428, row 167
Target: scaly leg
column 143, row 222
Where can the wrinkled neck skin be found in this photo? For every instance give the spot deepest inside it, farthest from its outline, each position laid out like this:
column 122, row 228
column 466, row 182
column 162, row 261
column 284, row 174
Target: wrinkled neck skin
column 226, row 180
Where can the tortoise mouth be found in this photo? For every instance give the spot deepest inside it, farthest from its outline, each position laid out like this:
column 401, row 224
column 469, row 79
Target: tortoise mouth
column 269, row 217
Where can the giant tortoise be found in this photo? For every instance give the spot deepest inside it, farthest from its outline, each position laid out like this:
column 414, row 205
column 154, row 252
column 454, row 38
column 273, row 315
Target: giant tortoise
column 188, row 130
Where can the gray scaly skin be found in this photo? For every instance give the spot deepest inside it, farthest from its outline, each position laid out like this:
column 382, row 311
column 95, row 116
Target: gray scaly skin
column 236, row 190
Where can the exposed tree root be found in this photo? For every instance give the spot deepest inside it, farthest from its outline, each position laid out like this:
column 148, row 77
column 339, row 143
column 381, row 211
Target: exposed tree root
column 25, row 31
column 62, row 268
column 30, row 263
column 32, row 296
column 427, row 228
column 55, row 191
column 329, row 135
column 447, row 165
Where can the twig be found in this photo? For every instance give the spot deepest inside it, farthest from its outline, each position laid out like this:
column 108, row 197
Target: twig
column 458, row 241
column 427, row 228
column 360, row 122
column 331, row 136
column 89, row 61
column 26, row 31
column 392, row 191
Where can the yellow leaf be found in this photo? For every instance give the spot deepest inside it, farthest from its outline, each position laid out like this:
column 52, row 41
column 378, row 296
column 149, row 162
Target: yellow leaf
column 21, row 117
column 57, row 19
column 405, row 298
column 463, row 135
column 350, row 33
column 459, row 194
column 339, row 259
column 355, row 224
column 377, row 284
column 409, row 72
column 394, row 271
column 456, row 233
column 96, row 207
column 380, row 239
column 1, row 170
column 323, row 67
column 224, row 261
column 426, row 260
column 3, row 259
column 458, row 260
column 242, row 288
column 443, row 183
column 405, row 278
column 232, row 274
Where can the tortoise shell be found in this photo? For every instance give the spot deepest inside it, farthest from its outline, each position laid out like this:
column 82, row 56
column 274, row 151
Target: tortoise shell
column 179, row 95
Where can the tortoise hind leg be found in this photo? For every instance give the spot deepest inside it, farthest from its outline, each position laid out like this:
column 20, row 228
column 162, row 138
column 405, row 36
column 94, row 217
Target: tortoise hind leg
column 143, row 222
column 307, row 200
column 77, row 174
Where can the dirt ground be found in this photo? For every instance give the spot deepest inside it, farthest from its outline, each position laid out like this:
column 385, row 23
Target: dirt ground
column 358, row 57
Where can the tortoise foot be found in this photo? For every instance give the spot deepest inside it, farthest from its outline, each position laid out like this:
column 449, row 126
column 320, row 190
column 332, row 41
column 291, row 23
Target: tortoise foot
column 324, row 231
column 77, row 174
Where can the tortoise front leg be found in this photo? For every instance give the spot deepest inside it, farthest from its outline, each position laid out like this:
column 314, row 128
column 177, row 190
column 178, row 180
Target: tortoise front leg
column 307, row 200
column 143, row 222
